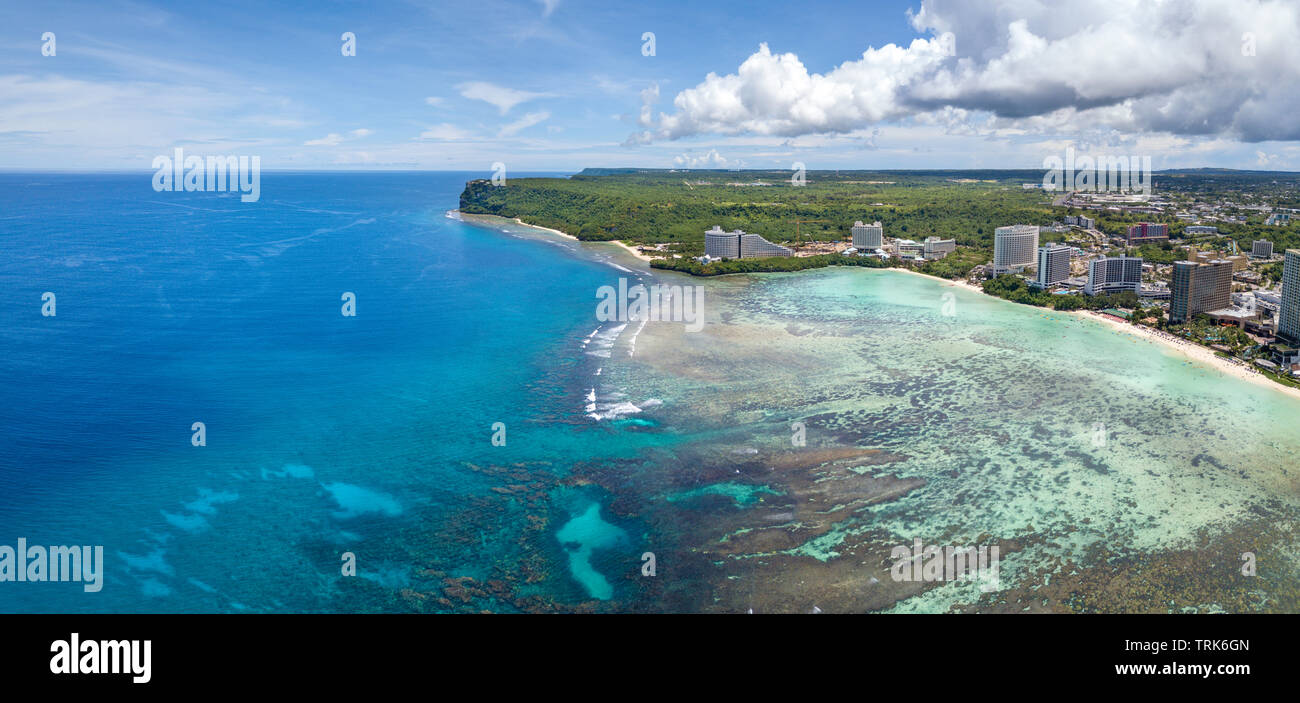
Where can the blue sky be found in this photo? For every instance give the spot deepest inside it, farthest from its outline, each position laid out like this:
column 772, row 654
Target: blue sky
column 563, row 84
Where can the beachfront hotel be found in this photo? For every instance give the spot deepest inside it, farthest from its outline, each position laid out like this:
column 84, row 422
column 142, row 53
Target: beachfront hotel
column 1197, row 288
column 868, row 237
column 737, row 244
column 1288, row 317
column 1014, row 247
column 1114, row 274
column 1053, row 265
column 936, row 248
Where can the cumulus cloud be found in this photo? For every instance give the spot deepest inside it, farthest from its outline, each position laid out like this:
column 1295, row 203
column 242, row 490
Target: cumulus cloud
column 710, row 160
column 1184, row 67
column 501, row 97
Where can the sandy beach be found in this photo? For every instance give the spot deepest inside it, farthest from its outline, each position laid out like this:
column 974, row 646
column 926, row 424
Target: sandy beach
column 1196, row 352
column 1238, row 369
column 631, row 250
column 962, row 283
column 1235, row 368
column 623, row 245
column 546, row 229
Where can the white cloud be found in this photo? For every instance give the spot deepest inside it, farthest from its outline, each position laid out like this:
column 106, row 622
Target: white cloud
column 446, row 132
column 1034, row 65
column 710, row 160
column 524, row 122
column 500, row 96
column 435, row 102
column 335, row 139
column 330, row 139
column 548, row 6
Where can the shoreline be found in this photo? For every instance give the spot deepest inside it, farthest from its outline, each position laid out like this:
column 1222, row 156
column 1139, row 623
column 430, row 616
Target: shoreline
column 618, row 243
column 1192, row 351
column 1188, row 349
column 960, row 283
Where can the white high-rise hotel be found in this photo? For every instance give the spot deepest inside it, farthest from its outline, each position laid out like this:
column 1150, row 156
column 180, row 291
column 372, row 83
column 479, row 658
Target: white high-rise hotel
column 1053, row 264
column 1014, row 248
column 868, row 238
column 737, row 244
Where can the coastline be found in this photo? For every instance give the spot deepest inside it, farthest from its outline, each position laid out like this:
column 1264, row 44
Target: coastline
column 552, row 230
column 618, row 243
column 1193, row 351
column 631, row 250
column 961, row 283
column 1189, row 350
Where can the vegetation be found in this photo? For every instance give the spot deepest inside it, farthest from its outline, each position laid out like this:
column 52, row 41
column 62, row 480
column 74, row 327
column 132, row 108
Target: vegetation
column 652, row 206
column 1204, row 331
column 645, row 206
column 719, row 268
column 1015, row 289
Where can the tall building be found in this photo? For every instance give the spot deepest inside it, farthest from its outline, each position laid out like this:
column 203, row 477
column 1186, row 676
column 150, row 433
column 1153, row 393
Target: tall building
column 753, row 246
column 1053, row 265
column 1261, row 249
column 868, row 237
column 1288, row 318
column 1114, row 274
column 1014, row 247
column 1147, row 231
column 1198, row 288
column 936, row 248
column 737, row 244
column 722, row 245
column 1081, row 221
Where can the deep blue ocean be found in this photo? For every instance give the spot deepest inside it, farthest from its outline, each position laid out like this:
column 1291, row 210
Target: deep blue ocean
column 325, row 433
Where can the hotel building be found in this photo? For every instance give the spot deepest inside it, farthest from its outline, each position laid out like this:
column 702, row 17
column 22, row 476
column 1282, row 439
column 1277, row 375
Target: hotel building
column 1053, row 265
column 1147, row 231
column 868, row 238
column 935, row 248
column 1014, row 247
column 737, row 244
column 1114, row 274
column 1197, row 288
column 1288, row 318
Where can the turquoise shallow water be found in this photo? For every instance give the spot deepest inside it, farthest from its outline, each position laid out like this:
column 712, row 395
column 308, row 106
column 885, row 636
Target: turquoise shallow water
column 1020, row 424
column 373, row 435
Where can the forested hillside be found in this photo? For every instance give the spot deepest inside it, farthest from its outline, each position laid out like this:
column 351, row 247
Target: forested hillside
column 648, row 207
